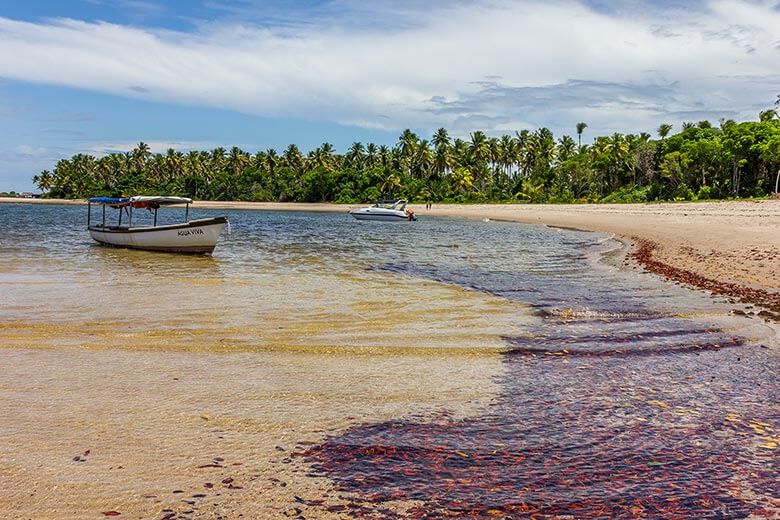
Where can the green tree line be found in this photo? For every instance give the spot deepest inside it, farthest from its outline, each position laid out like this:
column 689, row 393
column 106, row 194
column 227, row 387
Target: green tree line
column 701, row 161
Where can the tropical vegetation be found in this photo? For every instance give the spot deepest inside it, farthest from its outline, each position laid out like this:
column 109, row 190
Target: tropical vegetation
column 701, row 161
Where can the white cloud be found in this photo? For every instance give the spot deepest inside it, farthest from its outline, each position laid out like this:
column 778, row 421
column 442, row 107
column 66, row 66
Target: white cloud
column 30, row 151
column 650, row 67
column 100, row 149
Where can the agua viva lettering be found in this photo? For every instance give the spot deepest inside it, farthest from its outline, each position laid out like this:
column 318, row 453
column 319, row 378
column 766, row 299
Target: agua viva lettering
column 188, row 232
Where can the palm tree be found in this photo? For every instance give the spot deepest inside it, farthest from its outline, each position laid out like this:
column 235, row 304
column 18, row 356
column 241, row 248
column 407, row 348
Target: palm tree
column 580, row 128
column 408, row 142
column 508, row 148
column 105, row 172
column 293, row 158
column 218, row 159
column 495, row 151
column 355, row 154
column 462, row 179
column 521, row 155
column 618, row 152
column 767, row 115
column 442, row 160
column 460, row 152
column 195, row 172
column 390, row 184
column 43, row 181
column 384, row 155
column 237, row 160
column 441, row 138
column 139, row 155
column 371, row 151
column 326, row 152
column 664, row 130
column 271, row 161
column 540, row 152
column 423, row 159
column 565, row 148
column 479, row 146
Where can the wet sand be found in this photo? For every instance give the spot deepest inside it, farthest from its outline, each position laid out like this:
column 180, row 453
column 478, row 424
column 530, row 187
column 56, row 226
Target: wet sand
column 199, row 435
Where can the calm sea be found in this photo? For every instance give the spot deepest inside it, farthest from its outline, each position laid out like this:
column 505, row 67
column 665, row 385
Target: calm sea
column 525, row 370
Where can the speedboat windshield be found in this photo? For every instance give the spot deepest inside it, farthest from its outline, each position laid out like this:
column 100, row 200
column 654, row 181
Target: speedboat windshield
column 391, row 204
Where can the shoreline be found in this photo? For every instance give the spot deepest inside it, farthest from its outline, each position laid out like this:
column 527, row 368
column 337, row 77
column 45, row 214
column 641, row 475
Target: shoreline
column 728, row 248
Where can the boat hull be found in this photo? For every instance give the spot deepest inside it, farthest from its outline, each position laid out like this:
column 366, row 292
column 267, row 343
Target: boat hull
column 384, row 216
column 195, row 236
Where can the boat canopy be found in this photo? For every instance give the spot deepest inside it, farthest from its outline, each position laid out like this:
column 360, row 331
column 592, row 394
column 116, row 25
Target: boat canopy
column 391, row 204
column 108, row 200
column 162, row 201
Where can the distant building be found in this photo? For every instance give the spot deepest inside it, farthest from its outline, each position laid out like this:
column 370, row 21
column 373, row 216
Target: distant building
column 30, row 195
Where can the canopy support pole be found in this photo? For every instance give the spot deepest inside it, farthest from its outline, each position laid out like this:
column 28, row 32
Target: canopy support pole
column 187, row 213
column 119, row 224
column 155, row 217
column 130, row 218
column 89, row 214
column 104, row 215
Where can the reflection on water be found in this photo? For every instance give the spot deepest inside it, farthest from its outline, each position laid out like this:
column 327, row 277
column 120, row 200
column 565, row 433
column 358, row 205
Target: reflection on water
column 573, row 387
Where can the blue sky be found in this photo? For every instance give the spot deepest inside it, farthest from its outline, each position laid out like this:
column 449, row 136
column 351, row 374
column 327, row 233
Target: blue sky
column 97, row 76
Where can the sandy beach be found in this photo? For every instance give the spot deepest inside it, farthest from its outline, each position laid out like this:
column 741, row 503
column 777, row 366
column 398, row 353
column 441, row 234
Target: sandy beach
column 730, row 248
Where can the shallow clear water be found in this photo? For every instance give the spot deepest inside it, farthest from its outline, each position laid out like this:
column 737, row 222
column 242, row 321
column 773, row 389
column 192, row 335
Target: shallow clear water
column 610, row 392
column 279, row 280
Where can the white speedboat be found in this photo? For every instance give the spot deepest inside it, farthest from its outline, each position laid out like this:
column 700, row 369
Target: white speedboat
column 385, row 210
column 190, row 236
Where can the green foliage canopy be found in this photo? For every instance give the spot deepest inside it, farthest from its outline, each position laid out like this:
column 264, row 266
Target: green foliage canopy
column 701, row 161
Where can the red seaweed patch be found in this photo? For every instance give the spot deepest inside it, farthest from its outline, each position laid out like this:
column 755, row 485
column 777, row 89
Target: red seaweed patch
column 576, row 440
column 644, row 255
column 610, row 407
column 635, row 419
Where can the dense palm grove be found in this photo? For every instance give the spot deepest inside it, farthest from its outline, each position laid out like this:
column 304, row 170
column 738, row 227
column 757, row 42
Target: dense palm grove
column 702, row 161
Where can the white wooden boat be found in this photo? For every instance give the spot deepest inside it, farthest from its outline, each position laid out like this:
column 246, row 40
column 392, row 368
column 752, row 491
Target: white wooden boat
column 385, row 210
column 190, row 236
